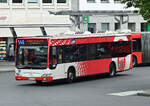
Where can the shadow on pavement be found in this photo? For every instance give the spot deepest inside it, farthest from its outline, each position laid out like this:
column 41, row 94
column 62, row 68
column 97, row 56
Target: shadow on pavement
column 78, row 80
column 143, row 65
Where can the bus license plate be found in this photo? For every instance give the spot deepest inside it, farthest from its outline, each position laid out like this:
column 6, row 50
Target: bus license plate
column 32, row 79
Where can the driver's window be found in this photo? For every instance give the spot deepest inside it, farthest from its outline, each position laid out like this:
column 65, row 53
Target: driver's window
column 53, row 58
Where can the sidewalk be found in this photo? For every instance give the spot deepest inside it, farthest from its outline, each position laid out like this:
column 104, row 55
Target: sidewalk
column 6, row 66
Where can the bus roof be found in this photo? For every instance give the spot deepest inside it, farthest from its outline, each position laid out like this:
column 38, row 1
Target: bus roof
column 77, row 36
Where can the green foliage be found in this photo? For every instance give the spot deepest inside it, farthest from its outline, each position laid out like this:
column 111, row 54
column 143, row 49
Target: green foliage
column 143, row 5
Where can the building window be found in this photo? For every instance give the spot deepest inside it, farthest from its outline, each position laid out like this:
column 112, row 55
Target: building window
column 104, row 1
column 143, row 27
column 47, row 1
column 131, row 26
column 32, row 1
column 91, row 1
column 3, row 1
column 61, row 1
column 117, row 26
column 16, row 1
column 117, row 1
column 92, row 27
column 105, row 27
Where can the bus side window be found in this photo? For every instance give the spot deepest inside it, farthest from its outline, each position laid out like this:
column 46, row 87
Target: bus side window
column 53, row 58
column 120, row 49
column 102, row 51
column 59, row 54
column 91, row 51
column 136, row 45
column 70, row 53
column 82, row 52
column 66, row 54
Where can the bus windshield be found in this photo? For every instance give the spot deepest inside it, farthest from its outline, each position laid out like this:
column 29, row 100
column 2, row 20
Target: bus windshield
column 32, row 57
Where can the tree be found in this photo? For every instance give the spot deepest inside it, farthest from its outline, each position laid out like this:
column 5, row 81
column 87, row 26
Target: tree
column 143, row 5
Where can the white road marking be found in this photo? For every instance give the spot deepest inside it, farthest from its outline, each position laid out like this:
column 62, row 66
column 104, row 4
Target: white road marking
column 127, row 93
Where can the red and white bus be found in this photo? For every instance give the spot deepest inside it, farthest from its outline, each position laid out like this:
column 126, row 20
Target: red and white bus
column 137, row 49
column 52, row 58
column 141, row 48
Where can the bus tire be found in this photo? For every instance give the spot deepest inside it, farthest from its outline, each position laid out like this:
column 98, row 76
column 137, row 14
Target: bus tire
column 38, row 82
column 112, row 70
column 71, row 75
column 134, row 61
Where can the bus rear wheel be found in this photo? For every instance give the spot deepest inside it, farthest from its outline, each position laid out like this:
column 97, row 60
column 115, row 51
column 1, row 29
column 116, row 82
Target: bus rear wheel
column 134, row 61
column 112, row 70
column 70, row 76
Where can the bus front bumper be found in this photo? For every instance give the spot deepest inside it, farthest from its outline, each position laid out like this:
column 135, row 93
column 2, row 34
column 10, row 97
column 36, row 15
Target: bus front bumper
column 34, row 78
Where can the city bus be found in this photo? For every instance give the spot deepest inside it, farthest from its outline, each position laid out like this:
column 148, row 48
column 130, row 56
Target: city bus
column 141, row 48
column 68, row 57
column 137, row 49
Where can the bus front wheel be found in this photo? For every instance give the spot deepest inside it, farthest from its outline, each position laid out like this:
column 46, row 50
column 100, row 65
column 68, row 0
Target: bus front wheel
column 70, row 76
column 112, row 70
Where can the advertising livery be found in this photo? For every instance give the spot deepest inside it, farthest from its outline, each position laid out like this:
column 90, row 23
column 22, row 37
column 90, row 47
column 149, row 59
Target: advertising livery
column 52, row 58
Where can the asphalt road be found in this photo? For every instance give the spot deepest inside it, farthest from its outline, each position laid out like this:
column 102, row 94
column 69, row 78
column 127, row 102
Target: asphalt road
column 89, row 91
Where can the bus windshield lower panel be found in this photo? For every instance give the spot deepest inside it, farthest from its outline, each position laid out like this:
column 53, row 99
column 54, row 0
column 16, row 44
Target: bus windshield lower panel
column 32, row 57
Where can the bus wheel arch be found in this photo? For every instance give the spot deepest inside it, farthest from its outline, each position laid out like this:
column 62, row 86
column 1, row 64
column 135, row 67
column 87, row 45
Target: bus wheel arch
column 71, row 74
column 112, row 69
column 134, row 60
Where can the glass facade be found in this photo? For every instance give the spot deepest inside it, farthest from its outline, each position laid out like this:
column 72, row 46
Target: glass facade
column 117, row 26
column 131, row 26
column 61, row 1
column 36, row 1
column 105, row 26
column 92, row 27
column 32, row 1
column 16, row 1
column 3, row 1
column 117, row 1
column 46, row 1
column 91, row 1
column 104, row 1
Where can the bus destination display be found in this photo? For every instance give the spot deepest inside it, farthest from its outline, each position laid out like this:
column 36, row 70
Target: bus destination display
column 32, row 42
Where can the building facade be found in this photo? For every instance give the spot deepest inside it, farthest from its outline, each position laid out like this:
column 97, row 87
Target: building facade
column 13, row 12
column 27, row 17
column 102, row 23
